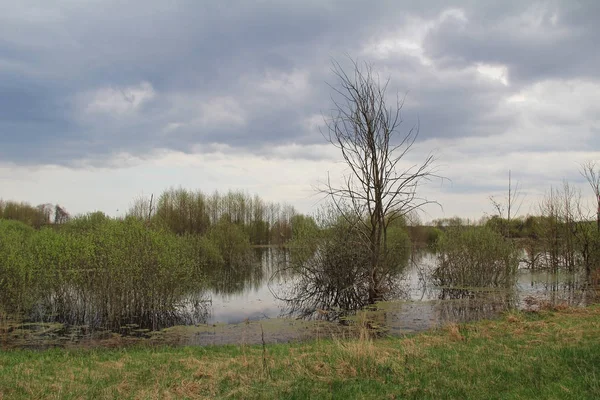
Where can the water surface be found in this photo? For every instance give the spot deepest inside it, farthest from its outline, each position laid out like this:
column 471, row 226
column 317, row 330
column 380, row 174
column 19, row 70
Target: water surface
column 244, row 308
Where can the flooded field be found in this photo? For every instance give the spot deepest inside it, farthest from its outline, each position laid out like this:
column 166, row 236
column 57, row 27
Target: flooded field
column 245, row 308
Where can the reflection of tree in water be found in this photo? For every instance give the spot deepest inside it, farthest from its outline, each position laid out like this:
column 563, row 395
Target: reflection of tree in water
column 251, row 275
column 572, row 289
column 461, row 305
column 276, row 262
column 88, row 306
column 236, row 278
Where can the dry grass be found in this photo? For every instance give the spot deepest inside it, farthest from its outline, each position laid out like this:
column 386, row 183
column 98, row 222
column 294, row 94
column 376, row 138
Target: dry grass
column 468, row 361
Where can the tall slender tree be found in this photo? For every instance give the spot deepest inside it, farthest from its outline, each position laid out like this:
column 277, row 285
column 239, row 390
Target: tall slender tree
column 382, row 185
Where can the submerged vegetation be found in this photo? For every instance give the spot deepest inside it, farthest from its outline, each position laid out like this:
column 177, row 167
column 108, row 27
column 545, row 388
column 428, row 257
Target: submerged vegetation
column 106, row 273
column 149, row 270
column 332, row 266
column 475, row 257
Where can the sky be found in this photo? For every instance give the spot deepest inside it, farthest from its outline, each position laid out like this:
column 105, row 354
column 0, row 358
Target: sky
column 103, row 101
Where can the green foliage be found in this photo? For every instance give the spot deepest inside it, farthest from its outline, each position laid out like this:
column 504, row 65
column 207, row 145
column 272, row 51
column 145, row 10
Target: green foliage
column 238, row 263
column 433, row 235
column 423, row 235
column 475, row 257
column 103, row 272
column 182, row 211
column 398, row 247
column 15, row 275
column 304, row 226
column 587, row 242
column 520, row 227
column 192, row 212
column 23, row 212
column 232, row 243
column 85, row 223
column 332, row 270
column 531, row 227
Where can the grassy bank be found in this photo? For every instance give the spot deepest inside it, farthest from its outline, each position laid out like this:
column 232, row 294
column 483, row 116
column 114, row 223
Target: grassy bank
column 550, row 354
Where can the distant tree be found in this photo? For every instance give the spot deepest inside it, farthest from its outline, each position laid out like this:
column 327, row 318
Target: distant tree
column 142, row 208
column 512, row 206
column 591, row 172
column 60, row 215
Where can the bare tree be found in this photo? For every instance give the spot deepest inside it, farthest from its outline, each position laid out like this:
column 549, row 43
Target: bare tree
column 142, row 208
column 381, row 186
column 591, row 172
column 512, row 201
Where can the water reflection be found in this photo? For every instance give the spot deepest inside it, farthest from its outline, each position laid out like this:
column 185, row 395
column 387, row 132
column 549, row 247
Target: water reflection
column 248, row 295
column 90, row 308
column 539, row 288
column 232, row 279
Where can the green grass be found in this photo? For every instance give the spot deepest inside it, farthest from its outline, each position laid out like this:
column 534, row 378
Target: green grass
column 546, row 355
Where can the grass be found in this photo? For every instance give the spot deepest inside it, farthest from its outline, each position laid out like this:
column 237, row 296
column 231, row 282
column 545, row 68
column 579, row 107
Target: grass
column 546, row 355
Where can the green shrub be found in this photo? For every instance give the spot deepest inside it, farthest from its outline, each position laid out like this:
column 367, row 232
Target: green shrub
column 433, row 235
column 16, row 276
column 475, row 257
column 232, row 242
column 334, row 267
column 102, row 272
column 398, row 247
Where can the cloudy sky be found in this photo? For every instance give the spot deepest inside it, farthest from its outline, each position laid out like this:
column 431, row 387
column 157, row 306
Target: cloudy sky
column 102, row 101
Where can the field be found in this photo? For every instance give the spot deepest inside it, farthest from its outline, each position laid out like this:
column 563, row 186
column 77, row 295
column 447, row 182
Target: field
column 548, row 354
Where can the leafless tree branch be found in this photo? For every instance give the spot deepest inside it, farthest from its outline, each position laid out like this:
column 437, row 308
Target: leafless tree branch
column 379, row 188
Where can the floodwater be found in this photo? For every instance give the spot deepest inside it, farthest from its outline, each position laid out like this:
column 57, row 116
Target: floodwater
column 246, row 310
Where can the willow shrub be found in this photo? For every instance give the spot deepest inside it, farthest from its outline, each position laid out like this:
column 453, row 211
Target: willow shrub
column 398, row 248
column 232, row 242
column 106, row 273
column 16, row 278
column 333, row 267
column 475, row 257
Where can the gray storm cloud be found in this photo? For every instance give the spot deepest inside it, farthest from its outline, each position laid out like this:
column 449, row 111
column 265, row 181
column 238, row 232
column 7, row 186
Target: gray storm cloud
column 87, row 80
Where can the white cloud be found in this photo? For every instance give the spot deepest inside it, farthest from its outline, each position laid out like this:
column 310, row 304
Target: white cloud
column 514, row 87
column 409, row 38
column 172, row 126
column 293, row 84
column 494, row 72
column 222, row 111
column 573, row 100
column 314, row 123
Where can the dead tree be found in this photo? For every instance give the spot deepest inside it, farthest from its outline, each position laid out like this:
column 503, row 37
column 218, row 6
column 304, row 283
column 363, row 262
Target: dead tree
column 381, row 185
column 514, row 195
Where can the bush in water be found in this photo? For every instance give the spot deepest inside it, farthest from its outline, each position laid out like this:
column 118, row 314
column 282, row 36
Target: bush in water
column 475, row 257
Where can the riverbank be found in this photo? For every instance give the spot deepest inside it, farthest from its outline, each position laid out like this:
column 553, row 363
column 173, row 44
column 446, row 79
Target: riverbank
column 547, row 354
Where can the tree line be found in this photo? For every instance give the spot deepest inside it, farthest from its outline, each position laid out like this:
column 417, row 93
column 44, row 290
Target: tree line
column 187, row 211
column 184, row 211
